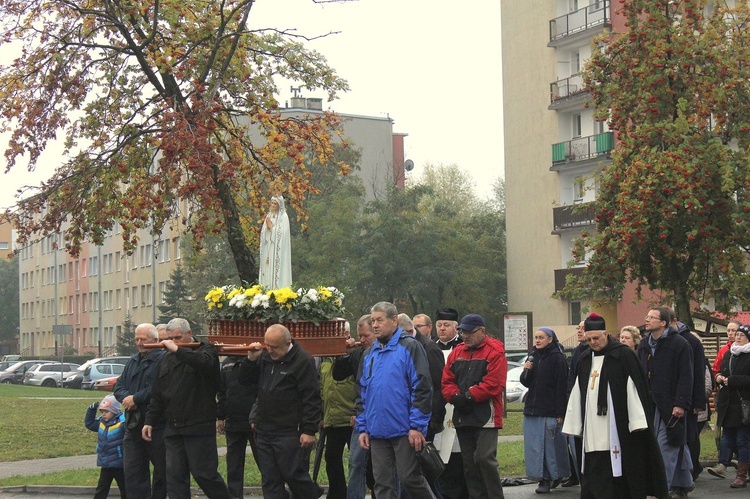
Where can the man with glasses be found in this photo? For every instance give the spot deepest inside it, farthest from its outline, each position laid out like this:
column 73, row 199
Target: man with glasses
column 184, row 394
column 474, row 382
column 286, row 413
column 668, row 361
column 423, row 324
column 133, row 391
column 436, row 362
column 609, row 409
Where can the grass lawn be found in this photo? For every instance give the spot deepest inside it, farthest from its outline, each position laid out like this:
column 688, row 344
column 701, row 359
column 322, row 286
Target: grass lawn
column 40, row 423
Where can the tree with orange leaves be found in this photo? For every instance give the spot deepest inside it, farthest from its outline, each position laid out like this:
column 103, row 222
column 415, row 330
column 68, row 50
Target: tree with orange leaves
column 154, row 100
column 673, row 208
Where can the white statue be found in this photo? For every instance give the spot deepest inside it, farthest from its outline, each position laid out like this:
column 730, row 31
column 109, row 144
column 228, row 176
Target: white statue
column 275, row 247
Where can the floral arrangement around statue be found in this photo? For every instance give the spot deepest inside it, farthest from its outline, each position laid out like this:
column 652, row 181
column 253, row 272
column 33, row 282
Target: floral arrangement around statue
column 240, row 315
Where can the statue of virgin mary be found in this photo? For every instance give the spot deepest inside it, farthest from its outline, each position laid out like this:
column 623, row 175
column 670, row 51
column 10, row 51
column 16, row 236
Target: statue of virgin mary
column 275, row 247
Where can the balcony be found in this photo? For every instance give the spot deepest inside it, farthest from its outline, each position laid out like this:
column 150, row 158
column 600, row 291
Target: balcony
column 591, row 16
column 570, row 216
column 562, row 274
column 567, row 87
column 582, row 149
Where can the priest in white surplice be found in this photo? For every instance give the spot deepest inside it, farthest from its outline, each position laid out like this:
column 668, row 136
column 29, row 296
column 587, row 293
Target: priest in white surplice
column 610, row 409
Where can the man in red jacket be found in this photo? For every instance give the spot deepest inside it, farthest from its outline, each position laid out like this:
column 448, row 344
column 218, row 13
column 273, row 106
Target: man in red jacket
column 474, row 381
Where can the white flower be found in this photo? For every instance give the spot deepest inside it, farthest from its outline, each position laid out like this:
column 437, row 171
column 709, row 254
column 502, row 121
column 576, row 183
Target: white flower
column 238, row 301
column 260, row 300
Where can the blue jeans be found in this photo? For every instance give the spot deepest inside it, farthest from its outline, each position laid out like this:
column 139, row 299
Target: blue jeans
column 357, row 487
column 731, row 438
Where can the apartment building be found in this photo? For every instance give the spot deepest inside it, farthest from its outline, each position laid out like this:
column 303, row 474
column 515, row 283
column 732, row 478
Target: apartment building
column 94, row 293
column 553, row 151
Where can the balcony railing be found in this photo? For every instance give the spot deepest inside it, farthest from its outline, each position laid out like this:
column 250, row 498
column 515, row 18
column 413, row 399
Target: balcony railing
column 562, row 274
column 582, row 19
column 582, row 148
column 562, row 89
column 565, row 217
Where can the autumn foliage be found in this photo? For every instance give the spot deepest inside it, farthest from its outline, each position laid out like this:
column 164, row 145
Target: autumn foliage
column 673, row 209
column 153, row 100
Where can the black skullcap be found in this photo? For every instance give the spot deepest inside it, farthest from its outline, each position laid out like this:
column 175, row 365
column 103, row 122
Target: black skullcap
column 447, row 314
column 594, row 322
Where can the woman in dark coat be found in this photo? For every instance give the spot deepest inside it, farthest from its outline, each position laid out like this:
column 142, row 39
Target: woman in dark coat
column 545, row 447
column 734, row 386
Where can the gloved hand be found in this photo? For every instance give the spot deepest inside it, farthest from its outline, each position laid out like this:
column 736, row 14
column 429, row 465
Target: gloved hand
column 94, row 406
column 459, row 401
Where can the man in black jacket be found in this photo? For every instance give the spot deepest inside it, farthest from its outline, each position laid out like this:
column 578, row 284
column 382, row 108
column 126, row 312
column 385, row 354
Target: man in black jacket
column 235, row 401
column 668, row 361
column 184, row 394
column 286, row 414
column 133, row 391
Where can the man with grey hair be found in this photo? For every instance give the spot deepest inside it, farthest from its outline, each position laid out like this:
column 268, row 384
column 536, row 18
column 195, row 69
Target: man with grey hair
column 184, row 394
column 394, row 380
column 133, row 391
column 286, row 413
column 161, row 329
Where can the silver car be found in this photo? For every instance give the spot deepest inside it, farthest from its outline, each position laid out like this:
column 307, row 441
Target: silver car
column 14, row 374
column 47, row 374
column 95, row 372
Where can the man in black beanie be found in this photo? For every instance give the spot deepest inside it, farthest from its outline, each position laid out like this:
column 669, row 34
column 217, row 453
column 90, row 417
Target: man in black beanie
column 452, row 481
column 611, row 400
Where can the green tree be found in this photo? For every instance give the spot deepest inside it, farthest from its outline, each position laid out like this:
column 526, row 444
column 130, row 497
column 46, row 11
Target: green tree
column 154, row 100
column 177, row 299
column 673, row 207
column 126, row 339
column 9, row 312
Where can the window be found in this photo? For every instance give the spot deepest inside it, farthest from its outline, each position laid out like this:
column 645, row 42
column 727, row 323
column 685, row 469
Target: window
column 3, row 245
column 176, row 247
column 70, row 271
column 579, row 189
column 118, row 299
column 135, row 297
column 577, row 126
column 94, row 265
column 134, row 257
column 146, row 255
column 70, row 305
column 118, row 261
column 162, row 291
column 575, row 312
column 575, row 63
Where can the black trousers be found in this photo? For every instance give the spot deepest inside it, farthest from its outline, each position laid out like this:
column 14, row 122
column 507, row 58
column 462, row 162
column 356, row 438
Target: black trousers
column 106, row 475
column 196, row 455
column 137, row 454
column 236, row 451
column 280, row 459
column 337, row 437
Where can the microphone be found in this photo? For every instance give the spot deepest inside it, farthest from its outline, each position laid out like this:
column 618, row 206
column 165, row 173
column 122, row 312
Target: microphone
column 530, row 358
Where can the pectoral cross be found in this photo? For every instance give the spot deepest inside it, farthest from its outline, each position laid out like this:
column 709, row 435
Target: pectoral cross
column 594, row 375
column 615, row 452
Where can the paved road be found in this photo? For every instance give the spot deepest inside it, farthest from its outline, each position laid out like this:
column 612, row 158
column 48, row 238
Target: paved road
column 706, row 486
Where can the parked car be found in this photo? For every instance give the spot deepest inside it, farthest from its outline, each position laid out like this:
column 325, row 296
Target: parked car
column 95, row 372
column 75, row 379
column 5, row 364
column 106, row 384
column 514, row 390
column 15, row 373
column 13, row 358
column 47, row 374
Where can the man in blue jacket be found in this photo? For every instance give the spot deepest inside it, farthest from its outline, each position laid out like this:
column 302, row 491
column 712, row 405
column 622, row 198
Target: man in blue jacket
column 133, row 391
column 395, row 405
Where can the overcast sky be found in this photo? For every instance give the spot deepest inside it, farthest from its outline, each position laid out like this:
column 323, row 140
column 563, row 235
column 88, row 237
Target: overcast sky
column 432, row 66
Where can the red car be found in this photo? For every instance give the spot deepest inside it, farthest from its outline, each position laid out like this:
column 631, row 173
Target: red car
column 106, row 384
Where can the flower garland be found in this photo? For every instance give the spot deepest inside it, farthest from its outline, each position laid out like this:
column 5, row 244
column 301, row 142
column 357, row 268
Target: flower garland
column 274, row 305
